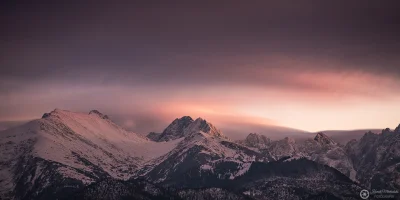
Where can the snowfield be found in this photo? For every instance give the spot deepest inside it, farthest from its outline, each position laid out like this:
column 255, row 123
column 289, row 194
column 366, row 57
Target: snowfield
column 67, row 150
column 80, row 142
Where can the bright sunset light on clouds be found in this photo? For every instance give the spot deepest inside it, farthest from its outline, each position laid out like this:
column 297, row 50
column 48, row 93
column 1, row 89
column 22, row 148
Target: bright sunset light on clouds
column 304, row 70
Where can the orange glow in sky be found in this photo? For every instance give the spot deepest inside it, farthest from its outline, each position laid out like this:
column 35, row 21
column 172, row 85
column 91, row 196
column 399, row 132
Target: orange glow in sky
column 305, row 100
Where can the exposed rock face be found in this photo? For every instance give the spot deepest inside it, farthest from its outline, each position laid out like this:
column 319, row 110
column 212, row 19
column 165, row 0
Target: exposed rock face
column 257, row 141
column 321, row 149
column 376, row 158
column 200, row 153
column 331, row 155
column 283, row 148
column 96, row 112
column 176, row 129
column 202, row 125
column 324, row 139
column 185, row 126
column 45, row 115
column 397, row 130
column 153, row 136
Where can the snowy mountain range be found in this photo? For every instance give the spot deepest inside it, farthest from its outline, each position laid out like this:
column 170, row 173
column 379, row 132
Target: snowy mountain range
column 70, row 155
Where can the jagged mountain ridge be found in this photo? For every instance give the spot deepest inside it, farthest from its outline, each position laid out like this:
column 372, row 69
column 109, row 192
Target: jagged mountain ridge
column 376, row 158
column 321, row 149
column 81, row 149
column 255, row 140
column 175, row 130
column 39, row 159
column 203, row 146
column 345, row 136
column 323, row 139
column 199, row 151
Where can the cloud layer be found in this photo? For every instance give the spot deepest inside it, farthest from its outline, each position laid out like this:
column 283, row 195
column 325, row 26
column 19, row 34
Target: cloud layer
column 310, row 65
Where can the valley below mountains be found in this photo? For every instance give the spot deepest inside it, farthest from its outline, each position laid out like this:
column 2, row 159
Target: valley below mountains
column 71, row 155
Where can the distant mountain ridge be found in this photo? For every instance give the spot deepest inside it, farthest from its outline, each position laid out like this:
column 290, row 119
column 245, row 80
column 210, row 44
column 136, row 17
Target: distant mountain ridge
column 321, row 149
column 68, row 155
column 344, row 136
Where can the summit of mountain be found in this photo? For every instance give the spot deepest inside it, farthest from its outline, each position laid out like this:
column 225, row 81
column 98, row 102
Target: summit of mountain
column 184, row 126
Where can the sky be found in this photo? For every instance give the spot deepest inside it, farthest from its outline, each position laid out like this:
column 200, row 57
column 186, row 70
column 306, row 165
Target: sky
column 308, row 65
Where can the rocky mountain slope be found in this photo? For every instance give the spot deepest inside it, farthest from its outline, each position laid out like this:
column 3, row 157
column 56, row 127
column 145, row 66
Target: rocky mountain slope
column 184, row 126
column 293, row 179
column 376, row 158
column 321, row 149
column 345, row 136
column 255, row 140
column 202, row 148
column 69, row 155
column 71, row 147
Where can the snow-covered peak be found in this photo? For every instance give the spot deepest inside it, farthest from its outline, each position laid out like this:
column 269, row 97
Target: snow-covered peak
column 185, row 126
column 68, row 137
column 323, row 139
column 62, row 114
